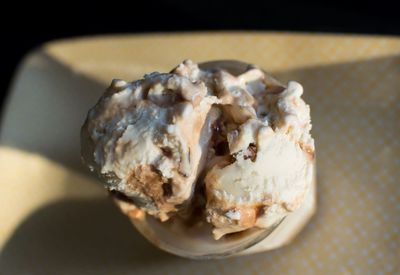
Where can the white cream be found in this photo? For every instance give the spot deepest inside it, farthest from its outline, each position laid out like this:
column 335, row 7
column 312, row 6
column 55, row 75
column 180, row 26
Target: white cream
column 155, row 123
column 280, row 173
column 150, row 140
column 271, row 183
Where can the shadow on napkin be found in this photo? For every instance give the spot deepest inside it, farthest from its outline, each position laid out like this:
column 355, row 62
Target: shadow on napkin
column 75, row 237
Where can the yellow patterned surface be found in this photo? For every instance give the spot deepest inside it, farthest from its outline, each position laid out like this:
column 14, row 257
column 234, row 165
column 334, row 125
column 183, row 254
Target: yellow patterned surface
column 351, row 82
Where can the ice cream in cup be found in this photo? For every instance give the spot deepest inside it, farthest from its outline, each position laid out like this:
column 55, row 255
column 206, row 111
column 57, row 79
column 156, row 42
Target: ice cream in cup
column 208, row 160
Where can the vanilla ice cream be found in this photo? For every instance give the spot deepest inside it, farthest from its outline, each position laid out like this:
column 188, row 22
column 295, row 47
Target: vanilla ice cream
column 235, row 146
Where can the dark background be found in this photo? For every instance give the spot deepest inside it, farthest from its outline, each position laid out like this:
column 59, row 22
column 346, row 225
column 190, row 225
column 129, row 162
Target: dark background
column 24, row 27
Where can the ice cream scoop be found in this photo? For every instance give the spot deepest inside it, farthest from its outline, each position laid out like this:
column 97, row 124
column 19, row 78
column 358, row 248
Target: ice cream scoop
column 148, row 139
column 206, row 160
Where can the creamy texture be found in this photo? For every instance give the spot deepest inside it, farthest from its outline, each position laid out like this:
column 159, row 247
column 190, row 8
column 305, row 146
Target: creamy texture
column 257, row 191
column 246, row 140
column 147, row 138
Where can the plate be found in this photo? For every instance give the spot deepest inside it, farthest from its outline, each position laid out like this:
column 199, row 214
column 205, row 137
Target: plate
column 56, row 219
